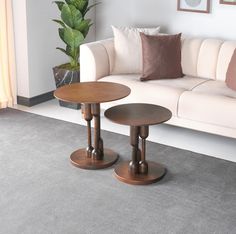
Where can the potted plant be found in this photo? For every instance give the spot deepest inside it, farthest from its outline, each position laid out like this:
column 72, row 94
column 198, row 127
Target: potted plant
column 72, row 31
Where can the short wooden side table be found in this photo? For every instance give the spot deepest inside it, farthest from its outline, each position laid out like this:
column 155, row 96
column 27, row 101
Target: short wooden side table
column 139, row 116
column 91, row 94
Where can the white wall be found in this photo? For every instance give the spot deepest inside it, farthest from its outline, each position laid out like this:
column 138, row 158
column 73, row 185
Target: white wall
column 36, row 39
column 21, row 47
column 42, row 41
column 219, row 23
column 113, row 12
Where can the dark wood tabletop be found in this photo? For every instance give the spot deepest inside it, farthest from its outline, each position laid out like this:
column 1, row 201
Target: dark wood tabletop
column 92, row 92
column 138, row 114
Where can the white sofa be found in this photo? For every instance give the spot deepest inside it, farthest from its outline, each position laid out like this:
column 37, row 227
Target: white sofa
column 200, row 100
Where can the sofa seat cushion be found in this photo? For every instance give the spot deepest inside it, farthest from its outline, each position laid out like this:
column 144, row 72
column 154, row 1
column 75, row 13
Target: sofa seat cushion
column 208, row 108
column 186, row 82
column 160, row 92
column 215, row 87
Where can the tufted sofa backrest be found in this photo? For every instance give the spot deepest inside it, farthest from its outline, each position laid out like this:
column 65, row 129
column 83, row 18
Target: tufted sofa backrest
column 205, row 58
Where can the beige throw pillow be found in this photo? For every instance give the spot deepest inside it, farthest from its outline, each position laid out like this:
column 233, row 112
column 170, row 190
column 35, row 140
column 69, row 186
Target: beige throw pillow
column 128, row 49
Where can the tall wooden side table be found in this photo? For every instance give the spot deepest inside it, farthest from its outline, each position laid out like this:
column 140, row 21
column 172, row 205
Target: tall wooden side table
column 91, row 94
column 139, row 116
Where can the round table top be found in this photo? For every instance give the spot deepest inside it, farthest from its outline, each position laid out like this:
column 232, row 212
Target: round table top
column 138, row 114
column 92, row 92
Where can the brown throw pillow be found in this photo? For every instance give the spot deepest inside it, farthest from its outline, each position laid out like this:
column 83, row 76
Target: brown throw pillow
column 161, row 57
column 231, row 73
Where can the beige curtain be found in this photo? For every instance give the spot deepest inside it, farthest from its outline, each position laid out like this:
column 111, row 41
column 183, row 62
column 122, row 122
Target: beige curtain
column 7, row 56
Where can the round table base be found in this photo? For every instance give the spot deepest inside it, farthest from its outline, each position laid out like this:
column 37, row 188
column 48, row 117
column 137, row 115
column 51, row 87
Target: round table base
column 155, row 173
column 79, row 159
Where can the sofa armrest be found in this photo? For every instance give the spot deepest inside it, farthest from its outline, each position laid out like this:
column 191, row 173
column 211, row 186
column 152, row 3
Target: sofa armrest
column 95, row 60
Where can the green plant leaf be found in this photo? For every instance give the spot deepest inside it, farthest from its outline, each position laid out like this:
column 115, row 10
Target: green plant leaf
column 68, row 1
column 59, row 22
column 74, row 28
column 61, row 32
column 90, row 7
column 85, row 32
column 71, row 15
column 84, row 24
column 64, row 51
column 73, row 38
column 80, row 5
column 71, row 51
column 59, row 4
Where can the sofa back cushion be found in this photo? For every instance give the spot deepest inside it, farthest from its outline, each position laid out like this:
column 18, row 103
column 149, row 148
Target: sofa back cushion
column 190, row 52
column 225, row 55
column 206, row 58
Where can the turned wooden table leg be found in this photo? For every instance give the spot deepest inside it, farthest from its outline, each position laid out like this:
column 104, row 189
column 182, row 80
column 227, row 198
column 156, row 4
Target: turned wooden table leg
column 86, row 111
column 97, row 152
column 94, row 156
column 143, row 165
column 139, row 171
column 134, row 140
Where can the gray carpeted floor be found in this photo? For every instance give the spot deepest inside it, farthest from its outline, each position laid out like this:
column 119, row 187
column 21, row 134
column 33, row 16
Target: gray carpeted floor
column 41, row 192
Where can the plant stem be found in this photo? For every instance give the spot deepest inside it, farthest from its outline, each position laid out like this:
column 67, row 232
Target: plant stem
column 73, row 63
